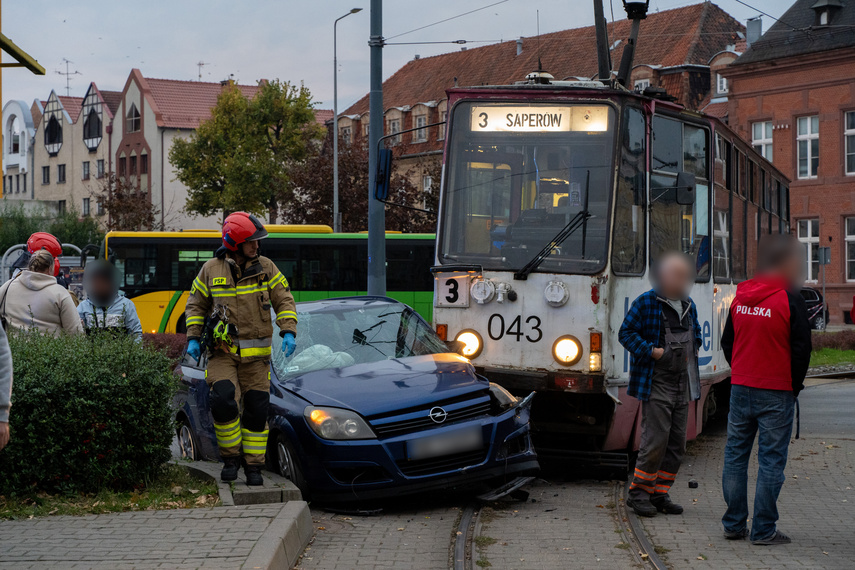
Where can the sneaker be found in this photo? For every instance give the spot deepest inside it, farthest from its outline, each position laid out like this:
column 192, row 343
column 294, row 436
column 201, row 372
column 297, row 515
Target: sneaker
column 230, row 469
column 774, row 540
column 736, row 534
column 642, row 507
column 253, row 476
column 664, row 504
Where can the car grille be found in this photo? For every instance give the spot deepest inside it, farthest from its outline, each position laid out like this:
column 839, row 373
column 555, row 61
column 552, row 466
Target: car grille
column 440, row 464
column 424, row 422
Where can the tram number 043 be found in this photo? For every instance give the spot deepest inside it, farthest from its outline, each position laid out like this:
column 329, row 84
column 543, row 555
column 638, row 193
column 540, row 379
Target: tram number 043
column 518, row 328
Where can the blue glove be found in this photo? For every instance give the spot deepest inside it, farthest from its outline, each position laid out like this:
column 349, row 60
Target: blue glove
column 194, row 349
column 289, row 344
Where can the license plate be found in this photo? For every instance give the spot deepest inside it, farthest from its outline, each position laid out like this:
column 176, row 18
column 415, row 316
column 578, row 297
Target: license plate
column 452, row 290
column 445, row 444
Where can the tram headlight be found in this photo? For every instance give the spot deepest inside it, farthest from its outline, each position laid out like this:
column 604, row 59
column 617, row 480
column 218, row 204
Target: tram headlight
column 472, row 343
column 567, row 350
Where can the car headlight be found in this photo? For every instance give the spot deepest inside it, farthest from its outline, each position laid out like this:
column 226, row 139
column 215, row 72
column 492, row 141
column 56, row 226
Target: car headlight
column 472, row 343
column 502, row 397
column 567, row 350
column 336, row 423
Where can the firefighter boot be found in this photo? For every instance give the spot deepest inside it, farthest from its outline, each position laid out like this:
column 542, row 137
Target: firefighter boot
column 253, row 475
column 230, row 469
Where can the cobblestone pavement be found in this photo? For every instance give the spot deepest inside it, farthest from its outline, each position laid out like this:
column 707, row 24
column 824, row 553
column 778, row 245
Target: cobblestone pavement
column 570, row 525
column 816, row 503
column 411, row 538
column 221, row 537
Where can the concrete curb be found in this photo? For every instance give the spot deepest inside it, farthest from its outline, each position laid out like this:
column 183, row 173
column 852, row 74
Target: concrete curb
column 284, row 540
column 276, row 489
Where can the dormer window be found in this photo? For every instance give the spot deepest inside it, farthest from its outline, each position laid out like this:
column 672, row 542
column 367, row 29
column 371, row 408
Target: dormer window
column 92, row 129
column 825, row 11
column 53, row 135
column 133, row 119
column 721, row 83
column 14, row 135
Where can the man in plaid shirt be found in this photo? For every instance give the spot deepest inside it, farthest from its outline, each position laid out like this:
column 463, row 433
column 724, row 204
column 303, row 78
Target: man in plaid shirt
column 662, row 335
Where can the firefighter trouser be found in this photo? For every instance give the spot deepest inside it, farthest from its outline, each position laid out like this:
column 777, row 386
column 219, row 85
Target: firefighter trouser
column 239, row 399
column 663, row 435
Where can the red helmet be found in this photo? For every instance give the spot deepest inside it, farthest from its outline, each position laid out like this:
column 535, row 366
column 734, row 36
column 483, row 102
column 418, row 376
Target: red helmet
column 240, row 227
column 44, row 240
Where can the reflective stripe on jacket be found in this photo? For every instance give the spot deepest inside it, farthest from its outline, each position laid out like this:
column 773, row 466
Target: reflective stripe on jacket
column 248, row 297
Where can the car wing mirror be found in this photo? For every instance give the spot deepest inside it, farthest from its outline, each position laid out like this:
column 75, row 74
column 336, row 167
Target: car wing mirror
column 685, row 188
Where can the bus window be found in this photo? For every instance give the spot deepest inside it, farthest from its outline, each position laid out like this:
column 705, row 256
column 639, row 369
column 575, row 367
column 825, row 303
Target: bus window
column 328, row 267
column 137, row 266
column 629, row 231
column 185, row 266
column 678, row 147
column 721, row 235
column 408, row 266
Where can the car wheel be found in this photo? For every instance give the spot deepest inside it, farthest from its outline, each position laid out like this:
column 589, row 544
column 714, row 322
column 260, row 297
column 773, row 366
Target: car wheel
column 819, row 323
column 187, row 441
column 287, row 463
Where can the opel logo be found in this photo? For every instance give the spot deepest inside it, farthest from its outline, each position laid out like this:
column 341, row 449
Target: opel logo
column 438, row 415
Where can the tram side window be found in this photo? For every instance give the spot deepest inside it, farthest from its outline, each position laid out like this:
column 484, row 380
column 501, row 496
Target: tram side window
column 737, row 237
column 679, row 147
column 629, row 231
column 752, row 237
column 721, row 235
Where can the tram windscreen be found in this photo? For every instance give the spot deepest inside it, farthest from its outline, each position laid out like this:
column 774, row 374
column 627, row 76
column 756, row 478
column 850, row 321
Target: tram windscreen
column 517, row 174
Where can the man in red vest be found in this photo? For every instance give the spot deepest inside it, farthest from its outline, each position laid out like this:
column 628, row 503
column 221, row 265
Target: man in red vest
column 767, row 341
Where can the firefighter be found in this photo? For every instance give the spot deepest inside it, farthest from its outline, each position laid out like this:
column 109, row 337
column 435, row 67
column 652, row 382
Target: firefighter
column 229, row 315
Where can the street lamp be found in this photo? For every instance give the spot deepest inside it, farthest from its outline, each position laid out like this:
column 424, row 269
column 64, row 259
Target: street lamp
column 336, row 216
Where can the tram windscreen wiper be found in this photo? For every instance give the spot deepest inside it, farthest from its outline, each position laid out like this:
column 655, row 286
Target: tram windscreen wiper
column 580, row 220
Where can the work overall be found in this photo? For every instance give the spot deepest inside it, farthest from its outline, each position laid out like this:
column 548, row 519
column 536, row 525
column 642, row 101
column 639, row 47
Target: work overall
column 665, row 415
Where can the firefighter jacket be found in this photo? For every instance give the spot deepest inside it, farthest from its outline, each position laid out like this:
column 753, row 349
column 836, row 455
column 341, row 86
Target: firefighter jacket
column 247, row 296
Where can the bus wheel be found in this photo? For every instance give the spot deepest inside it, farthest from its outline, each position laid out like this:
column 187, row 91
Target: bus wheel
column 181, row 325
column 710, row 405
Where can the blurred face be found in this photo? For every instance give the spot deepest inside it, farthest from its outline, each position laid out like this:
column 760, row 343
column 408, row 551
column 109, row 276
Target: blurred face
column 249, row 249
column 101, row 287
column 675, row 277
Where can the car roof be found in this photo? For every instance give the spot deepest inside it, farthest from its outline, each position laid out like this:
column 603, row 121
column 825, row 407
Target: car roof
column 355, row 302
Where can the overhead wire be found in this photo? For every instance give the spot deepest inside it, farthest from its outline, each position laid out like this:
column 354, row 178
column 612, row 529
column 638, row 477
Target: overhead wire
column 447, row 19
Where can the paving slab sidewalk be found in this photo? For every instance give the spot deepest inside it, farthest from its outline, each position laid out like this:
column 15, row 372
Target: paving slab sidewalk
column 252, row 536
column 816, row 506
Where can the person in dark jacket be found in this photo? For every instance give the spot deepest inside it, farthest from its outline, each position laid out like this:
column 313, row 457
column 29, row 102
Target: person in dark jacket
column 767, row 342
column 662, row 334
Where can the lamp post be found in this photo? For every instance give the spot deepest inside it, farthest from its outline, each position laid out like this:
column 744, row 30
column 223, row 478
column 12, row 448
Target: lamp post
column 336, row 216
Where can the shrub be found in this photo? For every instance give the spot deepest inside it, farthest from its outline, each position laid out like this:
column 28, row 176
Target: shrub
column 843, row 340
column 88, row 413
column 171, row 344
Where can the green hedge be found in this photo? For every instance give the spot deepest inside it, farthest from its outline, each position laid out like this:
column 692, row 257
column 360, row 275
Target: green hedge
column 87, row 413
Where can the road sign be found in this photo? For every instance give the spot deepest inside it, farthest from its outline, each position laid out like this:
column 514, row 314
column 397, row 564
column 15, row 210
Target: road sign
column 824, row 255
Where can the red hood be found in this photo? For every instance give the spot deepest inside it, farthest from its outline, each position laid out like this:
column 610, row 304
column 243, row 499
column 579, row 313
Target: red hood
column 754, row 291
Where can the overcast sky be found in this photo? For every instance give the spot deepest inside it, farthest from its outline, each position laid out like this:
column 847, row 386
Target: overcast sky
column 286, row 39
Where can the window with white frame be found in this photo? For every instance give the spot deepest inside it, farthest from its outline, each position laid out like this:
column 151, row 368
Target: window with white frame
column 443, row 117
column 99, row 207
column 346, row 135
column 133, row 119
column 640, row 85
column 99, row 172
column 394, row 127
column 808, row 233
column 427, row 187
column 85, row 170
column 60, row 173
column 849, row 135
column 86, row 207
column 807, row 137
column 761, row 138
column 720, row 83
column 850, row 249
column 14, row 135
column 421, row 134
column 45, row 174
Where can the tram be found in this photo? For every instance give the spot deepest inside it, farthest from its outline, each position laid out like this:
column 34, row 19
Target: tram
column 557, row 197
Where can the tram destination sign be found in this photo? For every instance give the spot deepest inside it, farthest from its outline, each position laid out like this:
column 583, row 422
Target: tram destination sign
column 539, row 119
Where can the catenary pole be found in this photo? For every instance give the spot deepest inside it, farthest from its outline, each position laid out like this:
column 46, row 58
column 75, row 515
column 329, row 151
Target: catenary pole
column 376, row 209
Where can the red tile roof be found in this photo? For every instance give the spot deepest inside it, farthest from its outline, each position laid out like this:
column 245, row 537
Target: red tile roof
column 185, row 104
column 684, row 36
column 112, row 99
column 72, row 106
column 323, row 115
column 718, row 110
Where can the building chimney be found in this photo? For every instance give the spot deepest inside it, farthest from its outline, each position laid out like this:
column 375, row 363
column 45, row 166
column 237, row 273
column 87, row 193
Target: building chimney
column 519, row 46
column 753, row 29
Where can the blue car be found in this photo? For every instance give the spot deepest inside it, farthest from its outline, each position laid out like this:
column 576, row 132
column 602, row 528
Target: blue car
column 372, row 404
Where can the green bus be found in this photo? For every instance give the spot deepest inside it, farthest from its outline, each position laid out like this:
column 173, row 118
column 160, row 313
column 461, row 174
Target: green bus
column 157, row 268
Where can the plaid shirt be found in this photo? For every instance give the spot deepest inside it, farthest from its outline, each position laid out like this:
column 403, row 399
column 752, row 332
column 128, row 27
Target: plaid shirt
column 639, row 334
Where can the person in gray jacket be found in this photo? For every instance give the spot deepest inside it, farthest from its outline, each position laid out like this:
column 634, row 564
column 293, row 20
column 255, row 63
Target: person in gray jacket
column 104, row 307
column 5, row 388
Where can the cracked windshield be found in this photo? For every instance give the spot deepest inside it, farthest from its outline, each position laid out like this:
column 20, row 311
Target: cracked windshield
column 518, row 175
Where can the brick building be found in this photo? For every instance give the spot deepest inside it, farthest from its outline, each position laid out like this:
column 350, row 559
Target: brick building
column 676, row 49
column 792, row 94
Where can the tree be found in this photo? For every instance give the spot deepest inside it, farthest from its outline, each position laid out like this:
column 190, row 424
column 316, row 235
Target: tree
column 240, row 158
column 129, row 207
column 313, row 195
column 16, row 225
